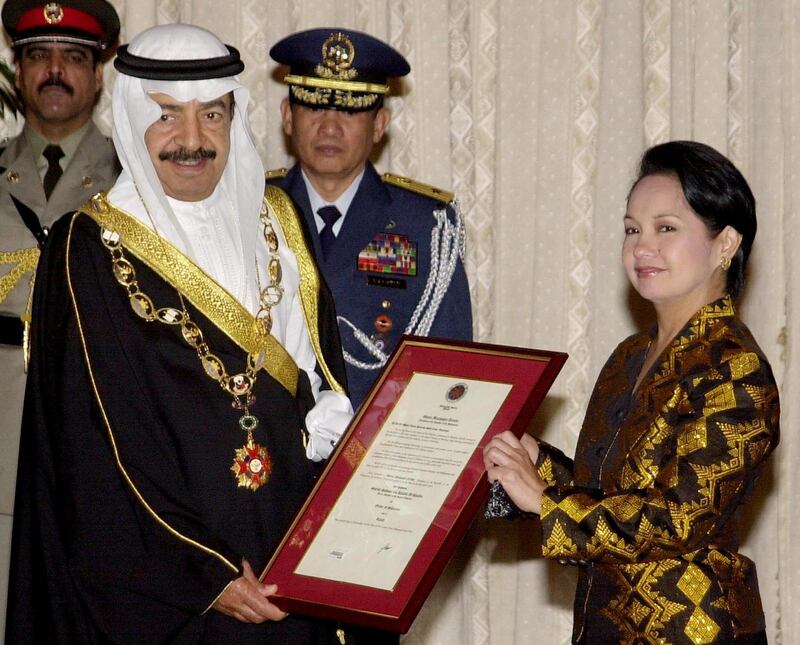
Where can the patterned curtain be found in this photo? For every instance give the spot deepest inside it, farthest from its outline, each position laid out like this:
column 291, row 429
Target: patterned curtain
column 535, row 113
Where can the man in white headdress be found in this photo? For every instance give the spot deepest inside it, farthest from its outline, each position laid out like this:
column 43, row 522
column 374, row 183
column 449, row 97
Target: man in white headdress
column 185, row 379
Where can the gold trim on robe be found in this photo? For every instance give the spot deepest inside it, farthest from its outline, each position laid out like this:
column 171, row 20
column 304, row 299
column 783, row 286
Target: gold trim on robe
column 211, row 299
column 107, row 424
column 280, row 204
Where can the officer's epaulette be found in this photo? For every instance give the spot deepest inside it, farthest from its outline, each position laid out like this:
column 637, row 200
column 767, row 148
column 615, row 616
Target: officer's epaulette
column 278, row 173
column 418, row 187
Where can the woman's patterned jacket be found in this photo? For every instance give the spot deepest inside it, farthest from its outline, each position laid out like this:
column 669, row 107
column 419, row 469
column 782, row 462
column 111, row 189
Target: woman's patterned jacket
column 648, row 510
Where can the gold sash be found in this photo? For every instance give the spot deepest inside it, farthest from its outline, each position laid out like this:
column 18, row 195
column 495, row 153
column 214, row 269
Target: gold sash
column 210, row 298
column 284, row 211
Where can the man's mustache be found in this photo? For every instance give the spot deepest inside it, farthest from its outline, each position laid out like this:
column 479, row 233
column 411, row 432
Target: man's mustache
column 55, row 81
column 184, row 154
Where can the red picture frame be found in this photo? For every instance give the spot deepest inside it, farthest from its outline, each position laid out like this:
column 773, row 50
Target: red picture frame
column 529, row 372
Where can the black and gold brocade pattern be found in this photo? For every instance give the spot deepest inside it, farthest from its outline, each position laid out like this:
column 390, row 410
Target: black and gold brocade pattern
column 649, row 505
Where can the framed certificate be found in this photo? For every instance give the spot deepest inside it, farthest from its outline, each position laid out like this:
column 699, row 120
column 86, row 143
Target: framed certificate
column 406, row 481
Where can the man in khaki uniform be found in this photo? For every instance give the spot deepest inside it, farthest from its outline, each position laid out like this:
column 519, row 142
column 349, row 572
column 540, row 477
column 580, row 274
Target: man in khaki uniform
column 56, row 164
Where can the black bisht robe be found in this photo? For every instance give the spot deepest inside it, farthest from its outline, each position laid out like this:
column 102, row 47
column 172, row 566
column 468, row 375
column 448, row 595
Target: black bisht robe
column 128, row 521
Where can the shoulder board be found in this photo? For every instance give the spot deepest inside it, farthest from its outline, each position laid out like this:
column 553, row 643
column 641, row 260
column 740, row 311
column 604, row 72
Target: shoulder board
column 418, row 187
column 278, row 173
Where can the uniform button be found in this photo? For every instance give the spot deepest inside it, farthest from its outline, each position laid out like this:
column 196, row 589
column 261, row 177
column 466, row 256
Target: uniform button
column 383, row 324
column 87, row 181
column 13, row 176
column 386, row 304
column 562, row 561
column 583, row 563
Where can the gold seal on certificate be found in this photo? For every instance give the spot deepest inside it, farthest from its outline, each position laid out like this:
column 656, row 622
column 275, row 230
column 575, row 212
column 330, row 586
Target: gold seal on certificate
column 406, row 480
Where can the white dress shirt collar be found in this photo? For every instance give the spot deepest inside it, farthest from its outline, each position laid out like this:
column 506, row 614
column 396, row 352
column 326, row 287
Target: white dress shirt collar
column 342, row 202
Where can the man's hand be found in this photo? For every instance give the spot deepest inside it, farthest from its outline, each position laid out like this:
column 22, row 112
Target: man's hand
column 510, row 462
column 245, row 599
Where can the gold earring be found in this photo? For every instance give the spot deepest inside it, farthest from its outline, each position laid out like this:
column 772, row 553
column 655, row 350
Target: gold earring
column 725, row 262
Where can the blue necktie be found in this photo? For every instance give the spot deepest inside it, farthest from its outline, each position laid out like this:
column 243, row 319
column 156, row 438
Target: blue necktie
column 329, row 215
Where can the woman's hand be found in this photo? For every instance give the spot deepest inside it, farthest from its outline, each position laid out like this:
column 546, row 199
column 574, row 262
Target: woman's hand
column 532, row 446
column 510, row 461
column 245, row 599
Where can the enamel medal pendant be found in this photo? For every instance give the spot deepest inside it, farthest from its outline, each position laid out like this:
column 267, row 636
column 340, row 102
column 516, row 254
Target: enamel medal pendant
column 252, row 465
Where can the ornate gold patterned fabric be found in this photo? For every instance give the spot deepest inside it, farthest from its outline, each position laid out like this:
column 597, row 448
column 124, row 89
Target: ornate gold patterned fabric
column 648, row 509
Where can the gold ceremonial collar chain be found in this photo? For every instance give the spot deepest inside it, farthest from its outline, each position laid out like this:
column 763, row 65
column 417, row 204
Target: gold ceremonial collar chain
column 252, row 464
column 271, row 295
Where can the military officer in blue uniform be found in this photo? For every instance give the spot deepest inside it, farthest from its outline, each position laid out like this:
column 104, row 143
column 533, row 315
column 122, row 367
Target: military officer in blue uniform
column 390, row 248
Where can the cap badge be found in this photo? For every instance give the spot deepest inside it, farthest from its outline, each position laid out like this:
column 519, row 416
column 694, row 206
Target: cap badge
column 338, row 54
column 53, row 13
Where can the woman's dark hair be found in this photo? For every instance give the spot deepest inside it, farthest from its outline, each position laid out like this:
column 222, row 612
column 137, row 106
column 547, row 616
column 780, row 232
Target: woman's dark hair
column 714, row 189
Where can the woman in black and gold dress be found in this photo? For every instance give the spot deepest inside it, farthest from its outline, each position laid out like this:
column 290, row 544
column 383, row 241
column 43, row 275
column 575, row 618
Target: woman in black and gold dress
column 678, row 428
